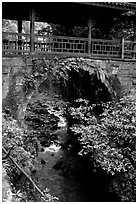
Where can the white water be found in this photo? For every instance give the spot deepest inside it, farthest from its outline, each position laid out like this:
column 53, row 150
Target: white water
column 54, row 148
column 62, row 122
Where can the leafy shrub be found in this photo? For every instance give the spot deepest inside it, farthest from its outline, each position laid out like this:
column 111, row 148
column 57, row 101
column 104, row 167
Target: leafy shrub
column 40, row 119
column 15, row 136
column 109, row 140
column 23, row 153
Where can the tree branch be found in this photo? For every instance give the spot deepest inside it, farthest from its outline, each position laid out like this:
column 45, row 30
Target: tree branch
column 7, row 154
column 17, row 165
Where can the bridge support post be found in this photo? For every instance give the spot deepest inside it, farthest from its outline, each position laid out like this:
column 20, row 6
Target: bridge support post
column 89, row 35
column 122, row 50
column 20, row 32
column 32, row 20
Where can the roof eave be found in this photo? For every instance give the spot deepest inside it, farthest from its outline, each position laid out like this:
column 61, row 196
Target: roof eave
column 102, row 4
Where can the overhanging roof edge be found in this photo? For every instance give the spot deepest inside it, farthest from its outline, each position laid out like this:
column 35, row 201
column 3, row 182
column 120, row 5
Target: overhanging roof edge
column 114, row 5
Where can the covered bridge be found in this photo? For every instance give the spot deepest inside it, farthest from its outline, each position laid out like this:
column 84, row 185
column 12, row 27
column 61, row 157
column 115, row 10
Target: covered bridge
column 68, row 14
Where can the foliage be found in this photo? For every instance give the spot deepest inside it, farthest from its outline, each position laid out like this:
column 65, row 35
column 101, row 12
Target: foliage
column 41, row 121
column 12, row 26
column 60, row 71
column 110, row 141
column 23, row 152
column 124, row 27
column 9, row 26
column 40, row 118
column 48, row 29
column 14, row 136
column 55, row 76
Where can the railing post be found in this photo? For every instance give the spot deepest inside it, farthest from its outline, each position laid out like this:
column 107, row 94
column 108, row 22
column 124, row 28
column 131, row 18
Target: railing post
column 122, row 50
column 32, row 20
column 20, row 32
column 89, row 35
column 134, row 50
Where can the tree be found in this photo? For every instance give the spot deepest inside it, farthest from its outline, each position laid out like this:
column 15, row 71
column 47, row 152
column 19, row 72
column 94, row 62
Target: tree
column 110, row 141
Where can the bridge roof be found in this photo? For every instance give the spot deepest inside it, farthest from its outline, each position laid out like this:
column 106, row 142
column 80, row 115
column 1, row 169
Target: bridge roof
column 113, row 5
column 65, row 13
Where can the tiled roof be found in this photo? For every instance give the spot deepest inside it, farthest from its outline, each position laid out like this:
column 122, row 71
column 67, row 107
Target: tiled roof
column 116, row 5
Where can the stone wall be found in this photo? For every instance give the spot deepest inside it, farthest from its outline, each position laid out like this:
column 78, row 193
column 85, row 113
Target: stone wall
column 13, row 96
column 126, row 72
column 14, row 70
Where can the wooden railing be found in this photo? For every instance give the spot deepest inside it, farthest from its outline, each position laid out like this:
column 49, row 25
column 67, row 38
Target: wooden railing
column 129, row 49
column 106, row 48
column 17, row 44
column 60, row 44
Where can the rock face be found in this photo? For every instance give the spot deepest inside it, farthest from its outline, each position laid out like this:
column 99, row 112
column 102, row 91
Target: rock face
column 13, row 97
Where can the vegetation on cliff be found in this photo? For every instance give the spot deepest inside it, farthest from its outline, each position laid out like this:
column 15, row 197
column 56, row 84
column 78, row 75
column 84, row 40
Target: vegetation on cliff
column 100, row 122
column 109, row 141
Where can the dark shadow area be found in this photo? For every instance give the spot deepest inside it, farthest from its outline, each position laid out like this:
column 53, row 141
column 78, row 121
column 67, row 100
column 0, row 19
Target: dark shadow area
column 82, row 85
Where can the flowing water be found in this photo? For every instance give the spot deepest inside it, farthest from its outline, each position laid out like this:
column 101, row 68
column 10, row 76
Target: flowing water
column 65, row 174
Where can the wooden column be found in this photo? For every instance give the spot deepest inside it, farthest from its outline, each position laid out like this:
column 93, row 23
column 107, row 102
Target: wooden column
column 32, row 20
column 123, row 43
column 19, row 26
column 134, row 39
column 89, row 35
column 19, row 37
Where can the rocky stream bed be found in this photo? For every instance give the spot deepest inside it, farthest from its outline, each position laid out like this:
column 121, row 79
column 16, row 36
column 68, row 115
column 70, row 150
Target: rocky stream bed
column 68, row 176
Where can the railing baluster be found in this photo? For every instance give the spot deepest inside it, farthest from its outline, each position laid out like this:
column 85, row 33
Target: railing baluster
column 61, row 44
column 122, row 53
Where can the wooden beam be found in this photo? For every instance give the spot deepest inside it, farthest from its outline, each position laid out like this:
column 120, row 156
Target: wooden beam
column 123, row 43
column 32, row 20
column 19, row 31
column 134, row 40
column 19, row 26
column 89, row 34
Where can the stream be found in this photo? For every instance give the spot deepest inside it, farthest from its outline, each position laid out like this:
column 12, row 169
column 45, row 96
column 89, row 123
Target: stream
column 65, row 174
